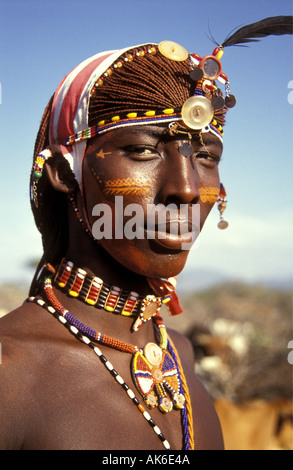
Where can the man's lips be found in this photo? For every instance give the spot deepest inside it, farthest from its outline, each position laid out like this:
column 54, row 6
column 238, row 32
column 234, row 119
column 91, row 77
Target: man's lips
column 175, row 226
column 173, row 235
column 172, row 228
column 171, row 241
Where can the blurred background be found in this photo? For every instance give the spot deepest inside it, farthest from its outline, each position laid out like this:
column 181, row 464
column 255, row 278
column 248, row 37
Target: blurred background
column 236, row 288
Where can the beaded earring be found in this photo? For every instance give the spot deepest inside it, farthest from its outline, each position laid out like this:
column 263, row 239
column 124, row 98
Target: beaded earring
column 80, row 220
column 222, row 204
column 37, row 173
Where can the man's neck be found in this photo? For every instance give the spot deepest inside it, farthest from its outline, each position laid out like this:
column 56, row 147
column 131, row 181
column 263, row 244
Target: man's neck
column 89, row 255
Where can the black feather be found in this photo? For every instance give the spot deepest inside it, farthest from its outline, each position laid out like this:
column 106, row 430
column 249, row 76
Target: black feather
column 275, row 25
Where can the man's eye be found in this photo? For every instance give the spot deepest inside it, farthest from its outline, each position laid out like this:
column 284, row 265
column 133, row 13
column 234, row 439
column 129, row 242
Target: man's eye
column 141, row 152
column 208, row 158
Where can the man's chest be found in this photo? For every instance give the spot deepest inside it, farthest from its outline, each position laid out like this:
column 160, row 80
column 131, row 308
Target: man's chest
column 89, row 408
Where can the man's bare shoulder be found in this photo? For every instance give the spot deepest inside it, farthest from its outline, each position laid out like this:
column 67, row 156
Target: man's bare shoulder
column 31, row 339
column 14, row 330
column 19, row 320
column 23, row 334
column 28, row 339
column 183, row 345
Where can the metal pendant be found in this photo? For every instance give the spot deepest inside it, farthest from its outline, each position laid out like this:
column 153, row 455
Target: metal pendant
column 197, row 112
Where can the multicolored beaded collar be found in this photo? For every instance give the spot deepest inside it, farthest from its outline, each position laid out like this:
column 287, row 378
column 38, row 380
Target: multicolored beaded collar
column 157, row 372
column 92, row 290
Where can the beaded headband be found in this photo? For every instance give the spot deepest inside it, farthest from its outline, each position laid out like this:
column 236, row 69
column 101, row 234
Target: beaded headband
column 133, row 119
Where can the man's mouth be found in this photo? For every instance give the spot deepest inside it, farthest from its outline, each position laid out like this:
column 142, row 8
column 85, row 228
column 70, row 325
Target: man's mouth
column 177, row 233
column 172, row 241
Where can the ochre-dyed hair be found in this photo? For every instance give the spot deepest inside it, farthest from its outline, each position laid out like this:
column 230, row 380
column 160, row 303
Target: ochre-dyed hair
column 148, row 82
column 142, row 83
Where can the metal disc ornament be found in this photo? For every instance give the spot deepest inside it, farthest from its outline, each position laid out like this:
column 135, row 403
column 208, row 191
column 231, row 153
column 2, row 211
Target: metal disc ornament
column 230, row 101
column 218, row 102
column 196, row 74
column 173, row 51
column 197, row 112
column 223, row 224
column 185, row 149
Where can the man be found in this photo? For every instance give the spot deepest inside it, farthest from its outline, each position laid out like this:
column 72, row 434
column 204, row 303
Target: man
column 87, row 361
column 55, row 393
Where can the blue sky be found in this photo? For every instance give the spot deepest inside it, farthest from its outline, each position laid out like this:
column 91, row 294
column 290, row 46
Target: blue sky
column 40, row 41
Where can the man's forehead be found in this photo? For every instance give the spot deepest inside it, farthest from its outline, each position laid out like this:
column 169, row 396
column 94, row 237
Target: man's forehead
column 161, row 132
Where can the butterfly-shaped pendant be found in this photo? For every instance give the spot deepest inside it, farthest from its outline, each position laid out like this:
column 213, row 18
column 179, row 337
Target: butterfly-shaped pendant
column 156, row 377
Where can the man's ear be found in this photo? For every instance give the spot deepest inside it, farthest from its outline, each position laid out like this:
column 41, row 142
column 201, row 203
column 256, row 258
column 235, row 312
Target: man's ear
column 60, row 174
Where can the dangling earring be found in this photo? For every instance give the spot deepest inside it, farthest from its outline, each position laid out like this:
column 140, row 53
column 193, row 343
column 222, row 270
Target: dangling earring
column 222, row 204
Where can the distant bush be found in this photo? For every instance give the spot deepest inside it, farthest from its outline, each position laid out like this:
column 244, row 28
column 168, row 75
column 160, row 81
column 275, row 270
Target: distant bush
column 240, row 334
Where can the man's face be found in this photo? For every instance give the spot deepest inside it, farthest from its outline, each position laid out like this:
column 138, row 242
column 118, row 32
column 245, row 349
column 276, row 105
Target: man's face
column 147, row 168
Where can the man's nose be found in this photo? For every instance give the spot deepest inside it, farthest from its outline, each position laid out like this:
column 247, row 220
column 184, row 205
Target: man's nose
column 180, row 181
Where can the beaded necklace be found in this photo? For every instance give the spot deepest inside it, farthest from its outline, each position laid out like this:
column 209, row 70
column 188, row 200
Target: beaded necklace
column 156, row 371
column 92, row 290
